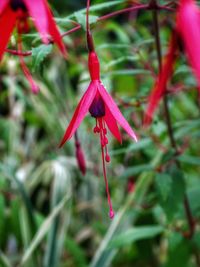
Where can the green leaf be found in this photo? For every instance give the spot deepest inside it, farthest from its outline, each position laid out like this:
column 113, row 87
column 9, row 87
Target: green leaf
column 57, row 231
column 103, row 256
column 179, row 251
column 81, row 18
column 122, row 59
column 135, row 234
column 77, row 252
column 173, row 199
column 4, row 261
column 136, row 170
column 189, row 159
column 39, row 54
column 2, row 220
column 164, row 184
column 128, row 72
column 43, row 230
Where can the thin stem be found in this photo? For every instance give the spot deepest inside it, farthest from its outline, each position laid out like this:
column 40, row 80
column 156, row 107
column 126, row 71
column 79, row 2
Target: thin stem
column 188, row 212
column 118, row 12
column 19, row 53
column 90, row 42
column 78, row 27
column 87, row 16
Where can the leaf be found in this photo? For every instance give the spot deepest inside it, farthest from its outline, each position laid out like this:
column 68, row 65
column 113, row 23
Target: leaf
column 121, row 59
column 77, row 252
column 103, row 256
column 43, row 230
column 57, row 231
column 2, row 220
column 128, row 72
column 81, row 18
column 39, row 54
column 189, row 159
column 179, row 251
column 136, row 170
column 4, row 261
column 173, row 200
column 193, row 195
column 164, row 185
column 135, row 234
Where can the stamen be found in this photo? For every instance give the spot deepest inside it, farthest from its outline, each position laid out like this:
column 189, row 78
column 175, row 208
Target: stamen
column 107, row 158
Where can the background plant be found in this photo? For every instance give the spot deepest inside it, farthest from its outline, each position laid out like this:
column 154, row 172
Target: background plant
column 50, row 214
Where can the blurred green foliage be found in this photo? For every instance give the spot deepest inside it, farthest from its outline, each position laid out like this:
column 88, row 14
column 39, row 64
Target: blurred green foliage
column 51, row 215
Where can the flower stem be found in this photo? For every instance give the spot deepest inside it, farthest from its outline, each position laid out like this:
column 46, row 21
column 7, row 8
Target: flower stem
column 186, row 203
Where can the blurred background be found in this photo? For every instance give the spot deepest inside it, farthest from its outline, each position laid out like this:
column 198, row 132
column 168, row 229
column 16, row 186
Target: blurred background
column 51, row 215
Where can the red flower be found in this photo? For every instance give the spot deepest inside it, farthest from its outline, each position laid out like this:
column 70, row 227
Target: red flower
column 102, row 107
column 15, row 13
column 188, row 30
column 188, row 26
column 160, row 87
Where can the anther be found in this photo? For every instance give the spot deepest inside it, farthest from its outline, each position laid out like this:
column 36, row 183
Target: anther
column 96, row 129
column 107, row 158
column 111, row 214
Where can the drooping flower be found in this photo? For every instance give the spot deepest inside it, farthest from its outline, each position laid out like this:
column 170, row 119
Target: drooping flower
column 188, row 26
column 102, row 107
column 16, row 12
column 160, row 86
column 188, row 32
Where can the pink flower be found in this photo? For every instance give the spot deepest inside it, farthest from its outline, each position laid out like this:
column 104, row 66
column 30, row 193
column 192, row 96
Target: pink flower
column 15, row 13
column 160, row 86
column 102, row 107
column 188, row 31
column 188, row 26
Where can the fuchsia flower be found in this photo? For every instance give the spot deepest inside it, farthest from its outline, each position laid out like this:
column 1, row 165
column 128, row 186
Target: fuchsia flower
column 160, row 86
column 15, row 13
column 188, row 30
column 102, row 107
column 188, row 26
